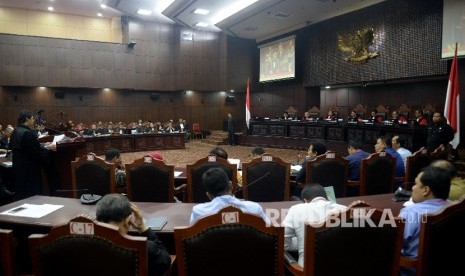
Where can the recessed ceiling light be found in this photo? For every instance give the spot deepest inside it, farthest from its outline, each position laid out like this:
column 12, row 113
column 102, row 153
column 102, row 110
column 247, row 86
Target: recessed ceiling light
column 201, row 24
column 328, row 87
column 144, row 12
column 103, row 6
column 99, row 14
column 234, row 7
column 201, row 11
column 50, row 8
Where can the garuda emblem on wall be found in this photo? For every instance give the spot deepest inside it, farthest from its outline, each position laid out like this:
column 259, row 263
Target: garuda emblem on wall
column 357, row 45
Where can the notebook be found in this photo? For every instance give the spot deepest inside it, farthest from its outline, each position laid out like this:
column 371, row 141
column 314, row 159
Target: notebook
column 156, row 223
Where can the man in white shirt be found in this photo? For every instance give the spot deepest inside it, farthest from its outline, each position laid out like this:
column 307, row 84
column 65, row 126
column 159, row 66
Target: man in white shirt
column 218, row 188
column 315, row 209
column 398, row 143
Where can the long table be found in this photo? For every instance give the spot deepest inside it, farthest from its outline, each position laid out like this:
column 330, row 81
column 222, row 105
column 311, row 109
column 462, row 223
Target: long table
column 178, row 214
column 297, row 134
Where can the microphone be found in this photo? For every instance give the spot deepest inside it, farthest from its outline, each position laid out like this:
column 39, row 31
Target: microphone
column 253, row 182
column 87, row 197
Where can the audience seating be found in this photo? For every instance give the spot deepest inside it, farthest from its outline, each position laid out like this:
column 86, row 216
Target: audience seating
column 150, row 180
column 377, row 174
column 329, row 169
column 87, row 247
column 440, row 233
column 343, row 250
column 195, row 190
column 91, row 174
column 265, row 179
column 7, row 253
column 415, row 163
column 440, row 153
column 230, row 242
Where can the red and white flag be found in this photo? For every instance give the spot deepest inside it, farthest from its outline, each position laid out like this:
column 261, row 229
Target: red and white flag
column 452, row 106
column 247, row 105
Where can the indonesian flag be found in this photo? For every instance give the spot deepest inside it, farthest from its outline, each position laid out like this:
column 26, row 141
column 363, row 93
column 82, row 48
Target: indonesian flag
column 247, row 105
column 452, row 107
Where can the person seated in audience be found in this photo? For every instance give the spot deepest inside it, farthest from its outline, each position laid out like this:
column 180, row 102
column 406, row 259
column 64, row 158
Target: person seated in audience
column 429, row 194
column 5, row 139
column 286, row 116
column 117, row 210
column 353, row 117
column 330, row 116
column 383, row 143
column 169, row 127
column 180, row 126
column 398, row 143
column 356, row 154
column 420, row 118
column 375, row 118
column 314, row 210
column 92, row 131
column 150, row 128
column 219, row 190
column 307, row 117
column 159, row 127
column 397, row 118
column 457, row 184
column 114, row 156
column 315, row 148
column 220, row 152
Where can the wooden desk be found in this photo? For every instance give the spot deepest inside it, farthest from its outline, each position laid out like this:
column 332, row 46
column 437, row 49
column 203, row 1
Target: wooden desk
column 178, row 214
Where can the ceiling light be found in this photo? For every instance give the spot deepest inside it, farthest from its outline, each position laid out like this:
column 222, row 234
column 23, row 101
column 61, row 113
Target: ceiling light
column 99, row 14
column 231, row 9
column 50, row 8
column 144, row 12
column 103, row 6
column 201, row 24
column 328, row 87
column 201, row 11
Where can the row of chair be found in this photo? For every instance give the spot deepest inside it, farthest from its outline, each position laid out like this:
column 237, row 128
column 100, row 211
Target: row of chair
column 377, row 171
column 148, row 180
column 210, row 247
column 264, row 179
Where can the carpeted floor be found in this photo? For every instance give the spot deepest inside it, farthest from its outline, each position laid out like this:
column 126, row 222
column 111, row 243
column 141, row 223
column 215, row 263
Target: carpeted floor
column 195, row 150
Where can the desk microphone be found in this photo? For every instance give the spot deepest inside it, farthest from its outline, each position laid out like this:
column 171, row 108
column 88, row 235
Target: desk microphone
column 87, row 197
column 253, row 182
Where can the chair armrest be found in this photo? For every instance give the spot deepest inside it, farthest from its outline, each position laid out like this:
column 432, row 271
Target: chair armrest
column 291, row 264
column 408, row 262
column 353, row 183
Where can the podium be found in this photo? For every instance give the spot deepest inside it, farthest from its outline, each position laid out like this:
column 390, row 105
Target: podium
column 57, row 164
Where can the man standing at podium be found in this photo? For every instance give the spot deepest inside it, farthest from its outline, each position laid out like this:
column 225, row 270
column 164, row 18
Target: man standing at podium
column 27, row 157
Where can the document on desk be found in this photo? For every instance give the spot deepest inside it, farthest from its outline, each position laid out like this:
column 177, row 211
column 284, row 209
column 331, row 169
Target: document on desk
column 32, row 210
column 176, row 173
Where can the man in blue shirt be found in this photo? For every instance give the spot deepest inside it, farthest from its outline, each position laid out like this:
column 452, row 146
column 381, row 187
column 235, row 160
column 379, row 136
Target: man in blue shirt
column 355, row 157
column 218, row 188
column 429, row 194
column 385, row 143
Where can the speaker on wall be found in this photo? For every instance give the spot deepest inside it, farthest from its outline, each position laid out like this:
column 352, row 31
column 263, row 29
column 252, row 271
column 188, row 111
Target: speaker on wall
column 59, row 94
column 154, row 96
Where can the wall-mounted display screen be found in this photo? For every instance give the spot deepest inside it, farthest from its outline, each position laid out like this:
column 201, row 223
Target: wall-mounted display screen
column 453, row 28
column 277, row 60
